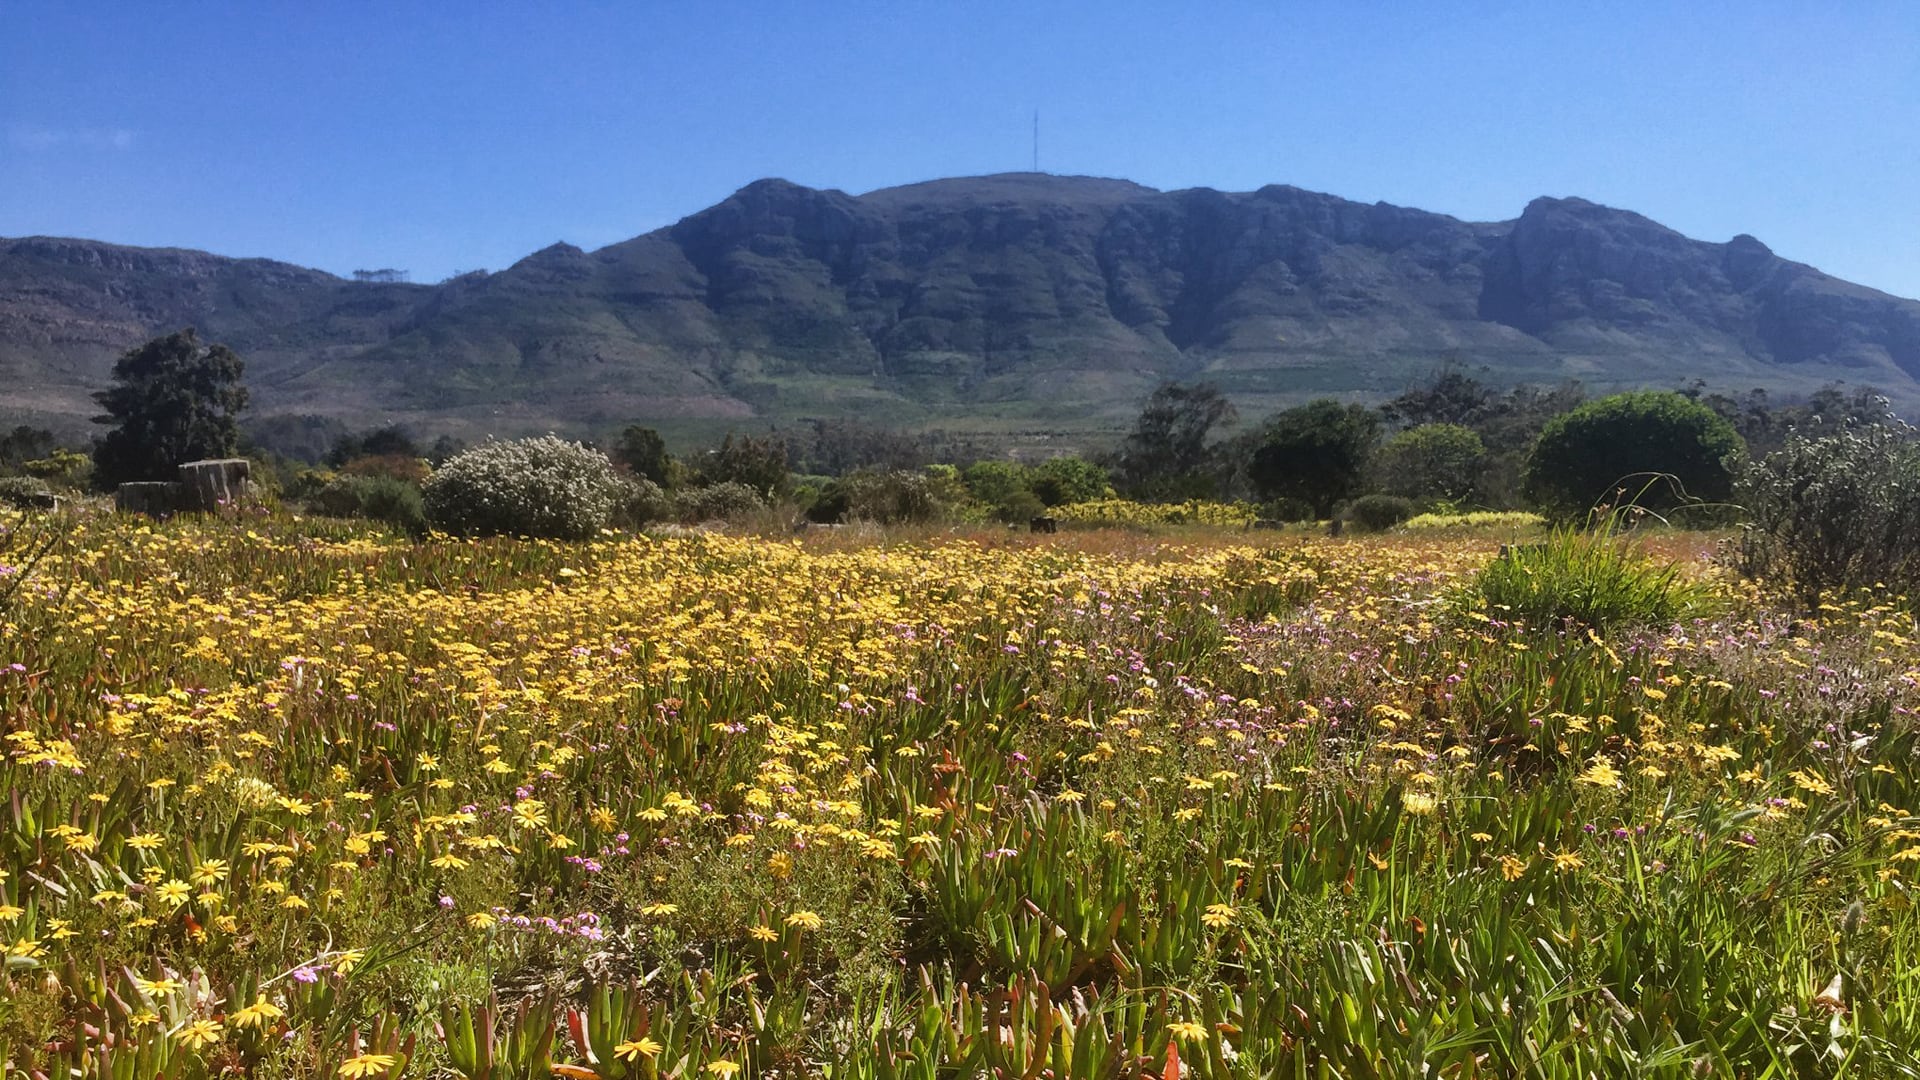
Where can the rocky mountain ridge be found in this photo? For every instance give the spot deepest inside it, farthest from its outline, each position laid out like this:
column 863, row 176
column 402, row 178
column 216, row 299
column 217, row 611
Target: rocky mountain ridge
column 1017, row 302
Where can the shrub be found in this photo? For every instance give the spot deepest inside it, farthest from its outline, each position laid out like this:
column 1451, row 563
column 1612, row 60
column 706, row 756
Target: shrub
column 1432, row 461
column 1286, row 509
column 1588, row 456
column 1064, row 480
column 1593, row 577
column 643, row 502
column 1378, row 513
column 717, row 502
column 1837, row 510
column 888, row 498
column 24, row 492
column 1476, row 519
column 376, row 498
column 543, row 487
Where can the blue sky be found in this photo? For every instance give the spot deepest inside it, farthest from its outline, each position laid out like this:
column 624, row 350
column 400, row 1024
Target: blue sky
column 448, row 137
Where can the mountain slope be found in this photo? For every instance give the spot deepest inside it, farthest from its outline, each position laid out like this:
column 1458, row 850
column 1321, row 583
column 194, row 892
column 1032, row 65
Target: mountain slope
column 1020, row 301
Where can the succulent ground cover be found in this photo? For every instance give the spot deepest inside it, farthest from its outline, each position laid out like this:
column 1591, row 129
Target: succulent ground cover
column 289, row 798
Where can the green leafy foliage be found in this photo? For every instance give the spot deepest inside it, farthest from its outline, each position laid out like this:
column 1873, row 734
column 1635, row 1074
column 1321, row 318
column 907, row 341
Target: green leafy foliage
column 1063, row 481
column 381, row 498
column 1432, row 461
column 172, row 400
column 1168, row 456
column 1835, row 509
column 1318, row 452
column 1607, row 450
column 23, row 444
column 24, row 492
column 644, row 451
column 889, row 497
column 1014, row 492
column 757, row 463
column 717, row 502
column 643, row 502
column 1378, row 513
column 541, row 487
column 1594, row 577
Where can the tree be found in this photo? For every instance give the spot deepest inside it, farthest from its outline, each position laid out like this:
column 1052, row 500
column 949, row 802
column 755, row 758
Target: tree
column 1167, row 456
column 389, row 441
column 1614, row 447
column 172, row 400
column 24, row 444
column 1317, row 452
column 645, row 452
column 1432, row 461
column 1063, row 480
column 760, row 464
column 1449, row 397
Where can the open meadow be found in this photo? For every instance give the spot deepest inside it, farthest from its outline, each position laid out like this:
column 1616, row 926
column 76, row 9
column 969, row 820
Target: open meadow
column 298, row 798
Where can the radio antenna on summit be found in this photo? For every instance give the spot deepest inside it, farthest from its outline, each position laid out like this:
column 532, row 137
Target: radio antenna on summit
column 1036, row 140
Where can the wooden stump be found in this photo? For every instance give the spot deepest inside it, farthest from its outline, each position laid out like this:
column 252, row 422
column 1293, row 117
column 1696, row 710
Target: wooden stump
column 215, row 483
column 153, row 498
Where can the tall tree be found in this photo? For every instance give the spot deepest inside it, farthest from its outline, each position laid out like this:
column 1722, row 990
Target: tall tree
column 172, row 400
column 1317, row 453
column 760, row 464
column 644, row 451
column 1167, row 455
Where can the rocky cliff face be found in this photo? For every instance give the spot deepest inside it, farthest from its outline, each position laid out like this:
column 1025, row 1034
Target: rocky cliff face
column 1025, row 298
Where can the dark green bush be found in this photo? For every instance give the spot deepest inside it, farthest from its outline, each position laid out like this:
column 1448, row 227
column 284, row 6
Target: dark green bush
column 1623, row 448
column 1318, row 452
column 717, row 502
column 376, row 498
column 1064, row 480
column 643, row 502
column 544, row 487
column 1378, row 513
column 1286, row 509
column 888, row 497
column 1835, row 510
column 1432, row 461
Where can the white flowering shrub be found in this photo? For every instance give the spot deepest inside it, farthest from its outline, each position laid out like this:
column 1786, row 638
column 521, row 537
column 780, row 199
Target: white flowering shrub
column 546, row 487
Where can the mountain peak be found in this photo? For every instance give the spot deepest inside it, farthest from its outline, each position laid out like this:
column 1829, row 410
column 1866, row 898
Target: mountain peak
column 1007, row 301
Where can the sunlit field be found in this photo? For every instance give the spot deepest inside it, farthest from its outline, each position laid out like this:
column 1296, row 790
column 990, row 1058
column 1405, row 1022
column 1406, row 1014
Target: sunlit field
column 296, row 798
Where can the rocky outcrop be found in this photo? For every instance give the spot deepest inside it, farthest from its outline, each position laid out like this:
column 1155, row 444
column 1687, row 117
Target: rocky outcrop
column 1058, row 299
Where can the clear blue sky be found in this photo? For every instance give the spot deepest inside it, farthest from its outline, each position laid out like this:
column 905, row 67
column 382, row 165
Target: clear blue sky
column 445, row 137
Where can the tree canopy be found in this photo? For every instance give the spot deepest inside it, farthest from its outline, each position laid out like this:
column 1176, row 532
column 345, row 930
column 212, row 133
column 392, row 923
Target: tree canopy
column 1615, row 448
column 1317, row 453
column 1167, row 454
column 173, row 399
column 1432, row 461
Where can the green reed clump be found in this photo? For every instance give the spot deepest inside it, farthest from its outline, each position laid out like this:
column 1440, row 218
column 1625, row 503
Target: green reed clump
column 1595, row 577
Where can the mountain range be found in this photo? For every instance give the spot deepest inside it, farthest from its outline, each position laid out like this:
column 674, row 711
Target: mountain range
column 1019, row 305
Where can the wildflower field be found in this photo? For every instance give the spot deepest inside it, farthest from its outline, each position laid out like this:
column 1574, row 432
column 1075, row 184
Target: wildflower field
column 294, row 798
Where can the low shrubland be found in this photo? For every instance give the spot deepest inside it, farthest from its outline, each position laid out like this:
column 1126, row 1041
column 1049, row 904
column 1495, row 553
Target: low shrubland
column 304, row 798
